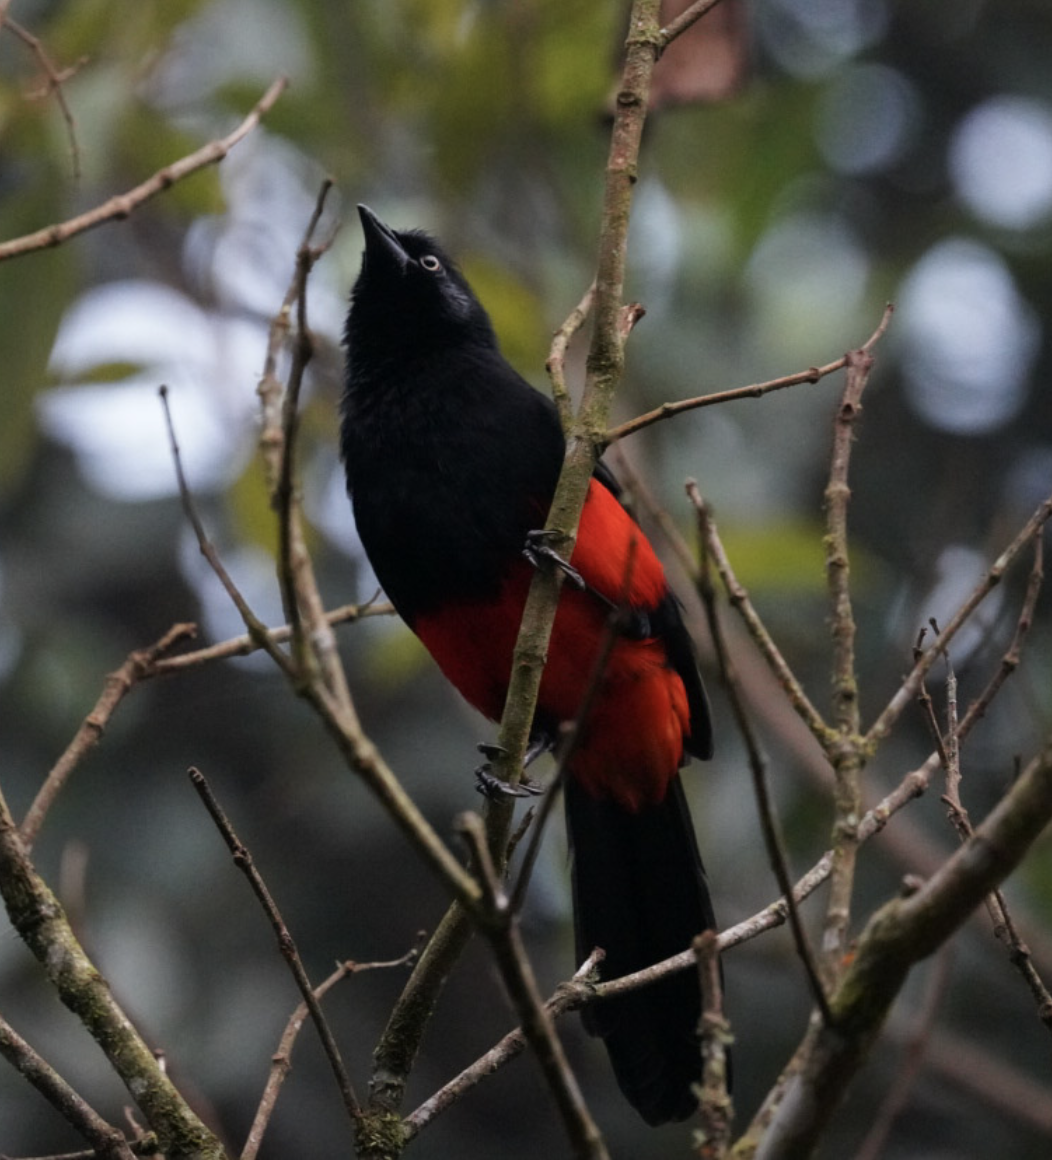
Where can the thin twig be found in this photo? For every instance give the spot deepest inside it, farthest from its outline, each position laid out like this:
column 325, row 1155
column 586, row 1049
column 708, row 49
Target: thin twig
column 123, row 204
column 56, row 78
column 846, row 754
column 927, row 706
column 498, row 922
column 738, row 598
column 715, row 1108
column 685, row 19
column 299, row 590
column 908, row 689
column 567, row 997
column 243, row 860
column 556, row 364
column 138, row 665
column 281, row 1060
column 1010, row 660
column 244, row 645
column 996, row 904
column 577, row 993
column 772, row 836
column 916, row 782
column 898, row 936
column 256, row 628
column 143, row 665
column 107, row 1142
column 752, row 391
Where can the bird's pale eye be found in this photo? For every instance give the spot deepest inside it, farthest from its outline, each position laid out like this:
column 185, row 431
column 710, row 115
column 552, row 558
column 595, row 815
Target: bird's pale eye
column 430, row 262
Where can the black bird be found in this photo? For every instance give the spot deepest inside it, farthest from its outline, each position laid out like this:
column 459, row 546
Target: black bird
column 452, row 459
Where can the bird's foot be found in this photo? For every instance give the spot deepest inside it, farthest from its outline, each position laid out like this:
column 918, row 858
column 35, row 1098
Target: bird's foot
column 493, row 787
column 537, row 549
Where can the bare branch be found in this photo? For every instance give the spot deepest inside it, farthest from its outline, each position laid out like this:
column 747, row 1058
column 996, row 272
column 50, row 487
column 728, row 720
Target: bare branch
column 567, row 997
column 56, row 78
column 118, row 684
column 286, row 944
column 908, row 689
column 753, row 391
column 256, row 628
column 685, row 19
column 604, row 365
column 556, row 364
column 715, row 1108
column 240, row 646
column 281, row 1061
column 772, row 836
column 1010, row 660
column 125, row 203
column 40, row 920
column 739, row 599
column 898, row 936
column 107, row 1142
column 497, row 921
column 845, row 751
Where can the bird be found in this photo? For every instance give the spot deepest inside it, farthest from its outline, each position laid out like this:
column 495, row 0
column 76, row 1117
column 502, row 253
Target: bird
column 451, row 460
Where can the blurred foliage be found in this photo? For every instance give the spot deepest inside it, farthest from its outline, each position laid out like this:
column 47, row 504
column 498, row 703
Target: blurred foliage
column 769, row 231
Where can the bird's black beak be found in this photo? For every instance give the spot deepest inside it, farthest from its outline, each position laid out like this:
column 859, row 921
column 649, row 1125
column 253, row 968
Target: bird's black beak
column 381, row 242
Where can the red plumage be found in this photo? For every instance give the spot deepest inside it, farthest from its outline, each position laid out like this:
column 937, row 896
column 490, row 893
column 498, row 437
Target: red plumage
column 632, row 742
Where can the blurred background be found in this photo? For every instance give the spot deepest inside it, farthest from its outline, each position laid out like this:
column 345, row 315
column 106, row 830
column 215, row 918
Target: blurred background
column 806, row 163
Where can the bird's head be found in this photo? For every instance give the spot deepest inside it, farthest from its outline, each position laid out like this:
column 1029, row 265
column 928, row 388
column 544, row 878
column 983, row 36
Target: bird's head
column 410, row 297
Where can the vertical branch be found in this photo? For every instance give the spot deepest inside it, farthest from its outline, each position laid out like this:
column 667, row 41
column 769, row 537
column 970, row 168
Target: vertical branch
column 772, row 835
column 497, row 921
column 845, row 751
column 838, row 572
column 716, row 1109
column 606, row 353
column 605, row 360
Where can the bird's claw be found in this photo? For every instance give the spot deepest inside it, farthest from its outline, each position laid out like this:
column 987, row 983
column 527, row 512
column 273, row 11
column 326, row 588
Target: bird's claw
column 535, row 550
column 493, row 788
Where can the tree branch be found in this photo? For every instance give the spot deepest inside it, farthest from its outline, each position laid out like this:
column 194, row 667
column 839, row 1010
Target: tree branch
column 39, row 918
column 898, row 936
column 125, row 203
column 286, row 944
column 107, row 1142
column 846, row 754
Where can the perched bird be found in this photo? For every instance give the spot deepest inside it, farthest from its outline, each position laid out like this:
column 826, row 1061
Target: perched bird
column 452, row 459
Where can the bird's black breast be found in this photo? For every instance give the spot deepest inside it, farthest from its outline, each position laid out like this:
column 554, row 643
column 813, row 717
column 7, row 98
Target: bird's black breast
column 448, row 468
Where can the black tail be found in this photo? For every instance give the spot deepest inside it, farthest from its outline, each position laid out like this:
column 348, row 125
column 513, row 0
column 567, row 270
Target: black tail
column 640, row 893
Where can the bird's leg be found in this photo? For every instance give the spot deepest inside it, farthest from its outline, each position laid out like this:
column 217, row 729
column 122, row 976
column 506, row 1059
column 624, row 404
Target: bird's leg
column 537, row 549
column 493, row 787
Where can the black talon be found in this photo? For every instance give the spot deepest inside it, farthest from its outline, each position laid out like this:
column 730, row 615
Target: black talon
column 495, row 789
column 536, row 550
column 492, row 787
